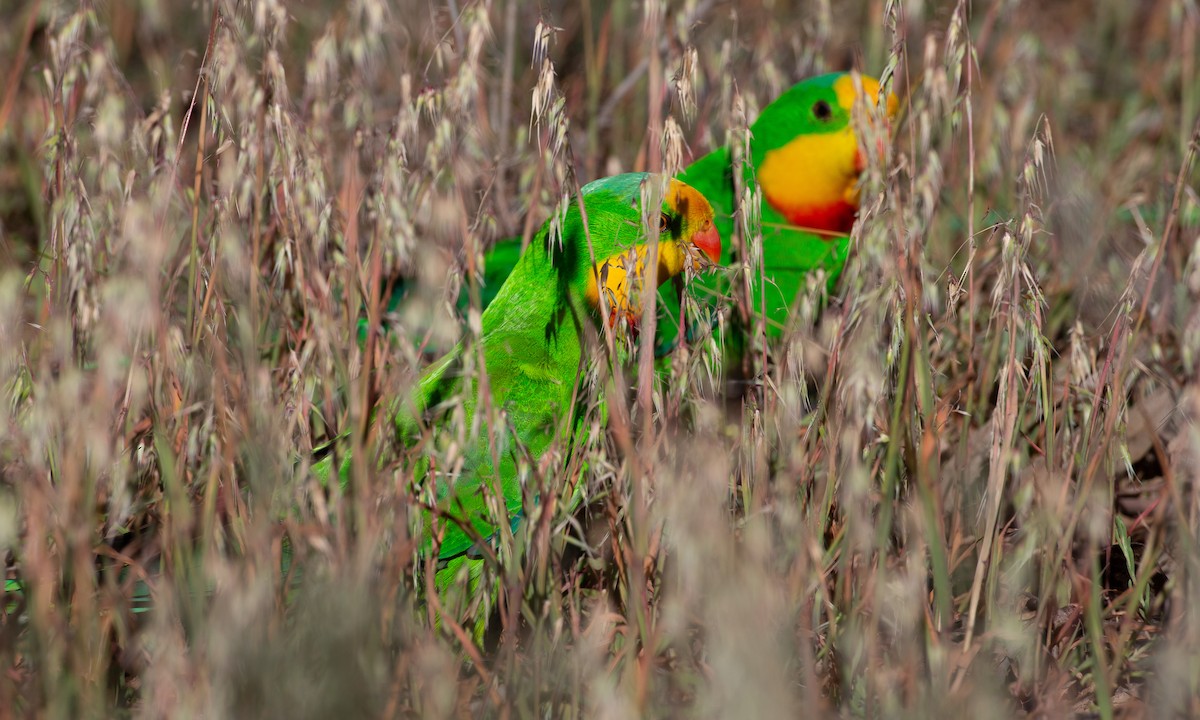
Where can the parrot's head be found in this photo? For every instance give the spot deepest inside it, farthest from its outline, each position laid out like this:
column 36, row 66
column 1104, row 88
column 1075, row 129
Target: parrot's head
column 687, row 239
column 805, row 152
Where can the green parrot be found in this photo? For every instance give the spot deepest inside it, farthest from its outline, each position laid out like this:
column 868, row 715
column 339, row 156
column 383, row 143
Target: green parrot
column 806, row 160
column 535, row 349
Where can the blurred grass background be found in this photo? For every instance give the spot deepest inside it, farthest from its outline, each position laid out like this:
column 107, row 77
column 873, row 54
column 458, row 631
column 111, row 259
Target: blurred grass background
column 967, row 488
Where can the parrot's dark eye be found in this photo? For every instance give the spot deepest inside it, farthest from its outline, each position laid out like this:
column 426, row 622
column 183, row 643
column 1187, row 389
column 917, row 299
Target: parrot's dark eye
column 664, row 223
column 821, row 110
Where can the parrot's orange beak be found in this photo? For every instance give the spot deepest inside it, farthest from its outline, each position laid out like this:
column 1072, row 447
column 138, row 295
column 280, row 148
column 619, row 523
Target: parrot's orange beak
column 708, row 241
column 893, row 104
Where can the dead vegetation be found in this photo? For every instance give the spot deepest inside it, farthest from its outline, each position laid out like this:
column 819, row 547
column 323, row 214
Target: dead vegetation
column 967, row 488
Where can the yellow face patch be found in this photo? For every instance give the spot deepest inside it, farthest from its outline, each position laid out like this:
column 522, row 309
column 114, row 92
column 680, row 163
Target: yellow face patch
column 687, row 216
column 614, row 275
column 812, row 170
column 813, row 180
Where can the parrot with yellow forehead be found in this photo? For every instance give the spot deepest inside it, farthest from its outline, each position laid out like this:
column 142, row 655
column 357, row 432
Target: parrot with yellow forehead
column 538, row 339
column 806, row 159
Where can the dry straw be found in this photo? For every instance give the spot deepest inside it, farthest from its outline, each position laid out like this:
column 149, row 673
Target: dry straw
column 963, row 486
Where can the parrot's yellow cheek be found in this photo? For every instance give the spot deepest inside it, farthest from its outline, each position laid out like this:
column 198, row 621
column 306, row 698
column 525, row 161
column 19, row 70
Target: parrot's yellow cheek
column 613, row 277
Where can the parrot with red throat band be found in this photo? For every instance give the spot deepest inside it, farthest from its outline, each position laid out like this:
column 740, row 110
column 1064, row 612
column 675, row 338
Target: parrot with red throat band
column 806, row 159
